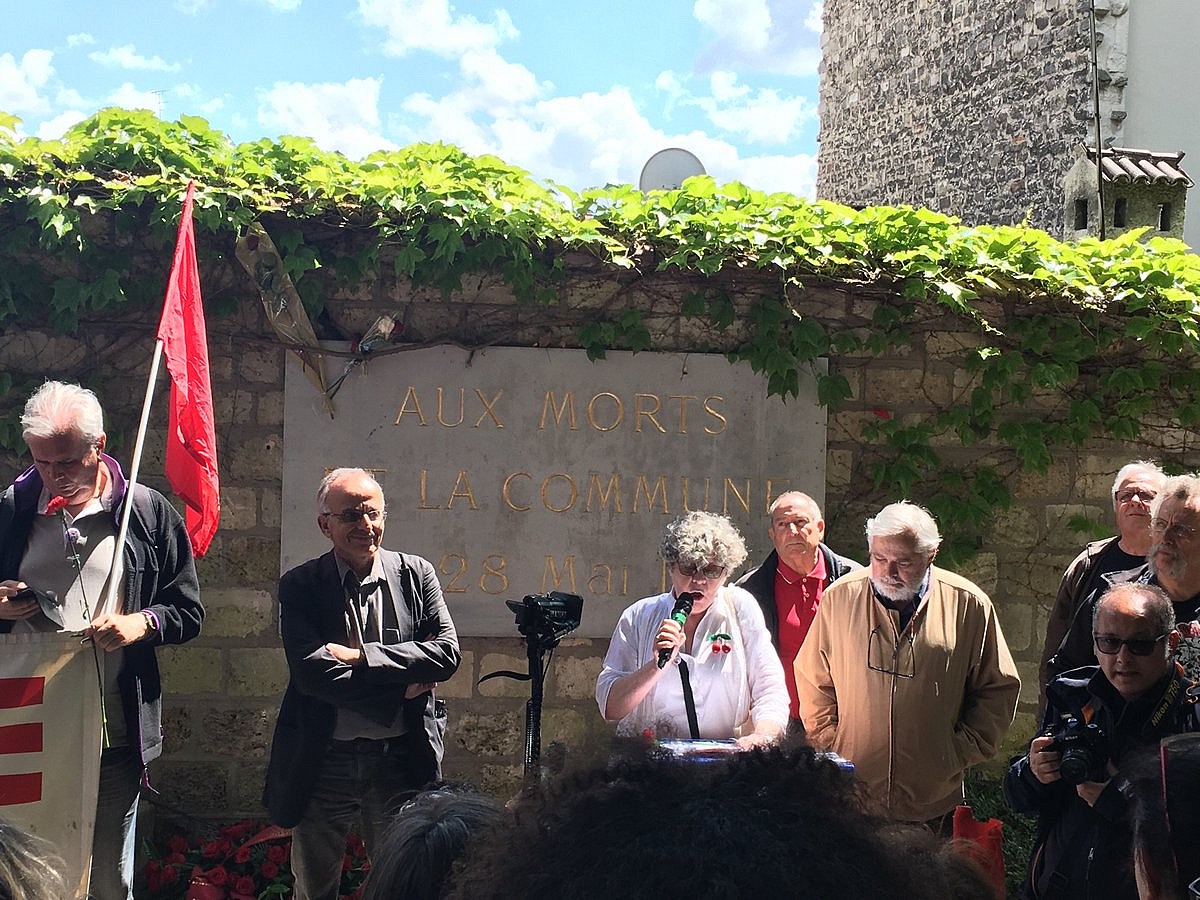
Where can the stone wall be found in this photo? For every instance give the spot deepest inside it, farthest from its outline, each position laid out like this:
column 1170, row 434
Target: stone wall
column 969, row 108
column 222, row 690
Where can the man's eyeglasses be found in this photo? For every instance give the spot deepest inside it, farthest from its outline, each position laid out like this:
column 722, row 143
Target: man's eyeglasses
column 1109, row 645
column 354, row 516
column 1130, row 494
column 891, row 659
column 707, row 572
column 1182, row 532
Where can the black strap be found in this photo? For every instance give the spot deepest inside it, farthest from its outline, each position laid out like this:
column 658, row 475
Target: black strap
column 689, row 702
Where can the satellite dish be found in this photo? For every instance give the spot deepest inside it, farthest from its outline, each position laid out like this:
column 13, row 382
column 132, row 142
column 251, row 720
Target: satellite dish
column 666, row 170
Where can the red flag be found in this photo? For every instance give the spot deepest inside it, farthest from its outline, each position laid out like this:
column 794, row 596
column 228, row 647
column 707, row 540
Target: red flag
column 191, row 439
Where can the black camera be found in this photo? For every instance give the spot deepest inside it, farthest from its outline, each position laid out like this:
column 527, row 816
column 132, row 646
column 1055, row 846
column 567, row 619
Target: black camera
column 1084, row 749
column 547, row 618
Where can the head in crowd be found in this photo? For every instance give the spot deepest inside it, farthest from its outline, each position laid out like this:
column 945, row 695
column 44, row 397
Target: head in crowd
column 1166, row 818
column 902, row 540
column 29, row 867
column 1132, row 631
column 63, row 427
column 351, row 513
column 796, row 530
column 428, row 834
column 702, row 538
column 772, row 822
column 1133, row 493
column 1175, row 529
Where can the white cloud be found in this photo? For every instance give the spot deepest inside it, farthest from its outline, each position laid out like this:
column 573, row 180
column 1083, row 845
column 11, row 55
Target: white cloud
column 815, row 20
column 129, row 97
column 760, row 117
column 69, row 98
column 191, row 7
column 792, row 174
column 283, row 5
column 127, row 57
column 21, row 81
column 338, row 116
column 431, row 25
column 78, row 40
column 57, row 126
column 758, row 35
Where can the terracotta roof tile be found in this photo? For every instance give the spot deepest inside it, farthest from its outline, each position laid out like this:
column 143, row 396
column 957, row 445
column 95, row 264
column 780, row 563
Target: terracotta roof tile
column 1124, row 165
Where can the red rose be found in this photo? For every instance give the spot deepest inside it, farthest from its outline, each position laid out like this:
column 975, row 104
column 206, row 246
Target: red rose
column 355, row 845
column 212, row 850
column 55, row 504
column 174, row 859
column 169, row 876
column 277, row 853
column 177, row 844
column 245, row 885
column 268, row 870
column 242, row 855
column 153, row 867
column 217, row 875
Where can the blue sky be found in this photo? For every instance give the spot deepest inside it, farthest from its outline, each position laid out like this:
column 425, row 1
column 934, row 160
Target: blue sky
column 581, row 93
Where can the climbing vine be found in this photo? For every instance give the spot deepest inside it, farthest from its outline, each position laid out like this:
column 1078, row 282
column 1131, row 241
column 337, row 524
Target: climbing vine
column 1061, row 342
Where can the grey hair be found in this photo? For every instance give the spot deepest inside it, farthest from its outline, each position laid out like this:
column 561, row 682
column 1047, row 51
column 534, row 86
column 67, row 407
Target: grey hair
column 59, row 408
column 788, row 495
column 1153, row 472
column 1161, row 611
column 1178, row 487
column 700, row 537
column 335, row 475
column 907, row 520
column 29, row 866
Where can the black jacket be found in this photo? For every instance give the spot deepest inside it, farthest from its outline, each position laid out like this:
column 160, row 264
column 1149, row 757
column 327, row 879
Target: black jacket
column 761, row 583
column 160, row 576
column 1084, row 852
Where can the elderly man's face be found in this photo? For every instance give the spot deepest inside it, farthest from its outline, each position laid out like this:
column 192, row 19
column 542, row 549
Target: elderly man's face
column 1127, row 617
column 353, row 520
column 897, row 567
column 1175, row 545
column 69, row 466
column 1131, row 503
column 796, row 531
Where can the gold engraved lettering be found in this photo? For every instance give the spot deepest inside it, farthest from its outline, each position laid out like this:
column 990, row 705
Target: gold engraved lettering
column 683, row 399
column 489, row 408
column 493, row 580
column 453, row 566
column 624, row 581
column 742, row 499
column 462, row 408
column 619, row 411
column 643, row 490
column 410, row 393
column 463, row 480
column 546, row 492
column 647, row 413
column 567, row 406
column 687, row 503
column 600, row 582
column 552, row 578
column 708, row 408
column 506, row 492
column 596, row 489
column 422, row 503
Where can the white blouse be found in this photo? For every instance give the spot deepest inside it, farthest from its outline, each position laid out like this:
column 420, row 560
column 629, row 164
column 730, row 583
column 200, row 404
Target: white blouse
column 735, row 690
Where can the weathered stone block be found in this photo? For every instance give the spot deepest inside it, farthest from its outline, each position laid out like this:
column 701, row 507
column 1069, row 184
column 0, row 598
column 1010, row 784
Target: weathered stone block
column 197, row 788
column 1058, row 518
column 241, row 734
column 576, row 677
column 1016, row 526
column 270, row 408
column 256, row 457
column 262, row 365
column 462, row 685
column 257, row 672
column 501, row 782
column 1016, row 621
column 272, row 507
column 238, row 612
column 887, row 387
column 1056, row 483
column 491, row 734
column 503, row 687
column 981, row 569
column 187, row 669
column 233, row 406
column 239, row 508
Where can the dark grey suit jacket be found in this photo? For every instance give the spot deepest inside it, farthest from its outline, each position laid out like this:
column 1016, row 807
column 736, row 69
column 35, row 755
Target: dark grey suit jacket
column 424, row 647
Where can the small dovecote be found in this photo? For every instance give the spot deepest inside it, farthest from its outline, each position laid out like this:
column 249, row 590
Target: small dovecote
column 1142, row 189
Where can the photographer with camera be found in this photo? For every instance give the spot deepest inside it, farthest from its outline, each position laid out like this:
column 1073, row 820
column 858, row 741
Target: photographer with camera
column 1095, row 717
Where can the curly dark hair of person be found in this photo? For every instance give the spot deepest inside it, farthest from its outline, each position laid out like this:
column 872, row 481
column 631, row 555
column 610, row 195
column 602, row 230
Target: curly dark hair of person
column 1165, row 789
column 422, row 842
column 30, row 869
column 771, row 822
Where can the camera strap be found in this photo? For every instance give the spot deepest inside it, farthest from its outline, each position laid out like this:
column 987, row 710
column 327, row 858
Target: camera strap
column 689, row 702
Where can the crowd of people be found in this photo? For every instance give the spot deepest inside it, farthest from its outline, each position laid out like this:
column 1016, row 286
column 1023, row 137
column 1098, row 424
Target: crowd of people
column 847, row 701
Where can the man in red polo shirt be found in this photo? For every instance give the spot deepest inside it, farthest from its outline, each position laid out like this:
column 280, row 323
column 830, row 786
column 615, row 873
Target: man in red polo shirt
column 789, row 583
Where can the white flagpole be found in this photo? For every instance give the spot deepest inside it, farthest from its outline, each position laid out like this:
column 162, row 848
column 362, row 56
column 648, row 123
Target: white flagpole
column 134, row 466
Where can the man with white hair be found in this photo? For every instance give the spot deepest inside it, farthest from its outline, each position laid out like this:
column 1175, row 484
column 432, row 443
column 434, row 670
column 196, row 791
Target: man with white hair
column 1133, row 491
column 905, row 673
column 1172, row 563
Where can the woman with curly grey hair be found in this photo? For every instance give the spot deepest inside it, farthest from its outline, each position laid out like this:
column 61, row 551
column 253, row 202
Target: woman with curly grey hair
column 720, row 654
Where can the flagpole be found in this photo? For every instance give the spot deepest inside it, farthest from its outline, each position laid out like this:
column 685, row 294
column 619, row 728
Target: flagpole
column 134, row 466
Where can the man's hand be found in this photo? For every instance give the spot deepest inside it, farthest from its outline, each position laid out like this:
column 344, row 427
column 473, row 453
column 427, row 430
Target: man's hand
column 343, row 654
column 15, row 610
column 112, row 632
column 1043, row 763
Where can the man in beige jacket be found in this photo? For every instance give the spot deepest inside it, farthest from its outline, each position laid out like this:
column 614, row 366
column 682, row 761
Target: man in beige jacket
column 905, row 673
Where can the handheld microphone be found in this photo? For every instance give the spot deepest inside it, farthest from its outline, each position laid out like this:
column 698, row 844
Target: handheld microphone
column 680, row 612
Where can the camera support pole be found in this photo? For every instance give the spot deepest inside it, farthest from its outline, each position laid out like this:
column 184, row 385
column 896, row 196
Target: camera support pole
column 536, row 677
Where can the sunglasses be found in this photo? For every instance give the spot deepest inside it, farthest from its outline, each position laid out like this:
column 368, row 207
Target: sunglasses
column 707, row 572
column 1109, row 645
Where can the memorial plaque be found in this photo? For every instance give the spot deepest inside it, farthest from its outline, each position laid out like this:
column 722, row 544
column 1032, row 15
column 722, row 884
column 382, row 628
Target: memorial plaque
column 519, row 470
